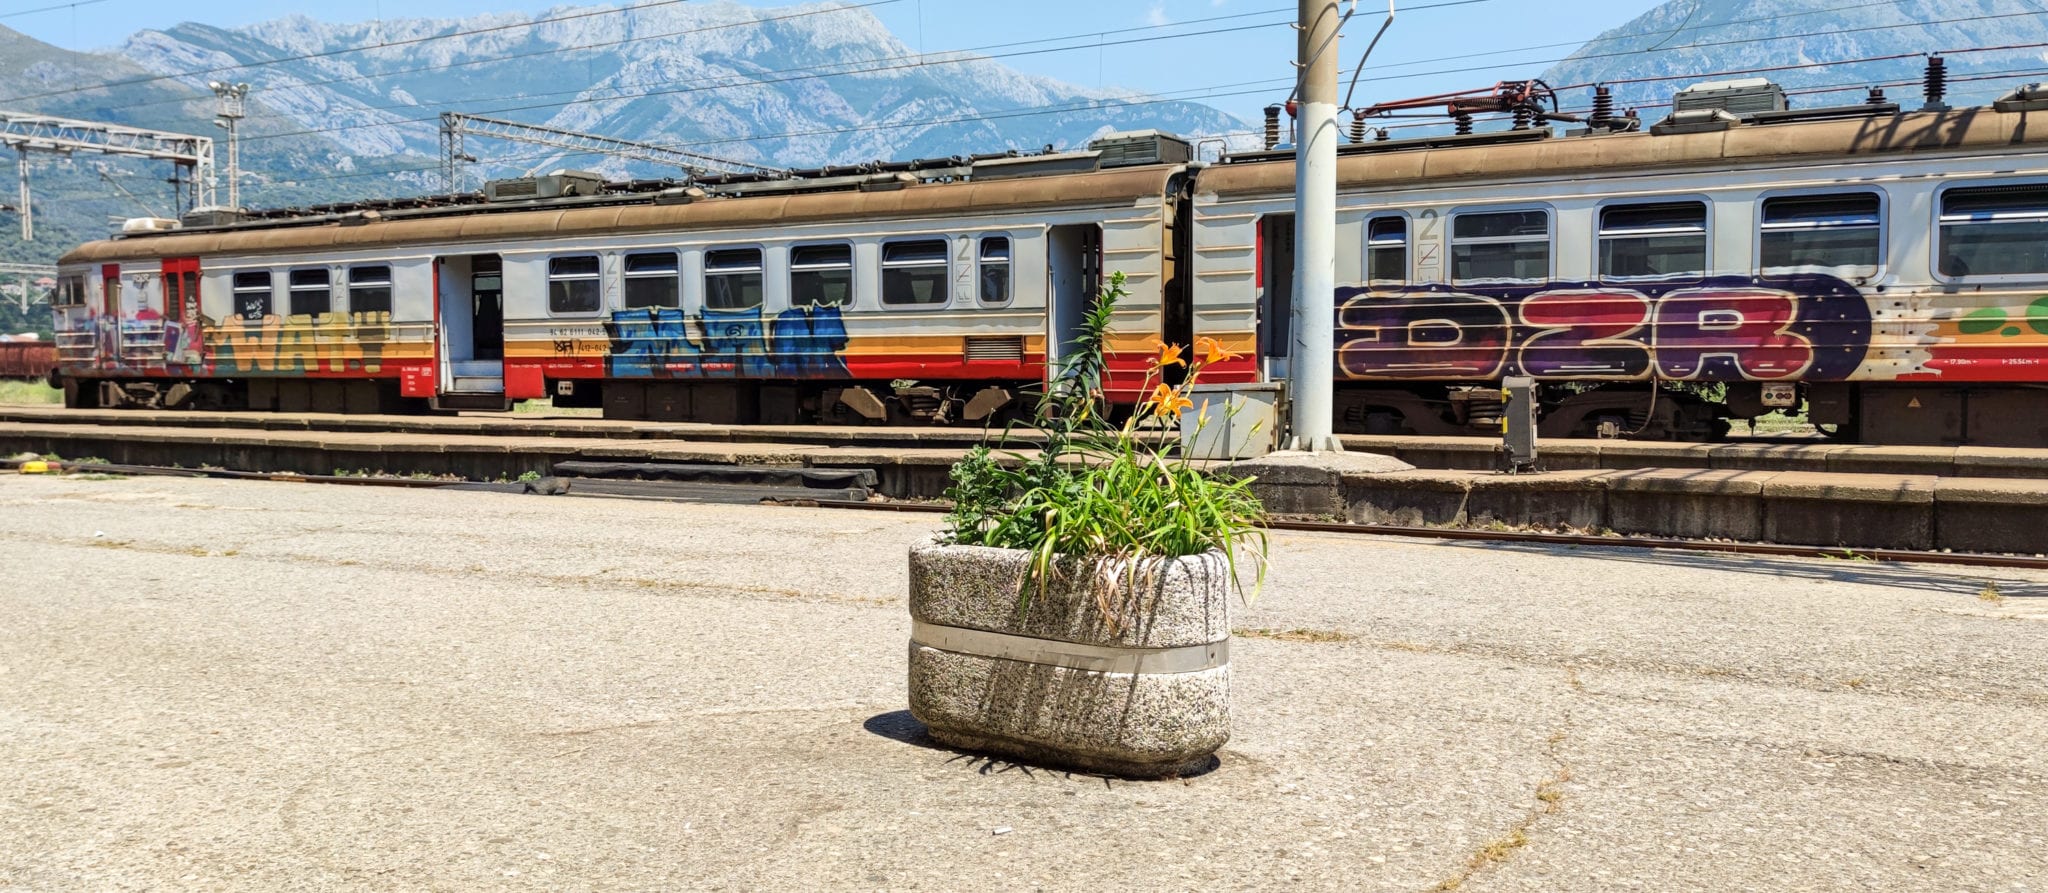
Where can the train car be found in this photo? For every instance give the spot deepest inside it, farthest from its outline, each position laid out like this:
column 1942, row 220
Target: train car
column 27, row 360
column 928, row 291
column 1884, row 269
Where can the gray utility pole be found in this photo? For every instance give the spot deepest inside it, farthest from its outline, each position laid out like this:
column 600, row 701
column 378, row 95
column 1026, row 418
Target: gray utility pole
column 233, row 108
column 1313, row 366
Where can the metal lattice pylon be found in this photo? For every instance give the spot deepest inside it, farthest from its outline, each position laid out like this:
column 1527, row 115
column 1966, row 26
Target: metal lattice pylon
column 26, row 132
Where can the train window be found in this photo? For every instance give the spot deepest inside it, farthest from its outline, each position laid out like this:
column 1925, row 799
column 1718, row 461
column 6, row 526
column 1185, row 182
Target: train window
column 1995, row 231
column 914, row 273
column 1501, row 245
column 573, row 285
column 732, row 279
column 821, row 276
column 653, row 280
column 252, row 295
column 995, row 270
column 369, row 289
column 1838, row 230
column 1648, row 241
column 309, row 292
column 1386, row 249
column 70, row 292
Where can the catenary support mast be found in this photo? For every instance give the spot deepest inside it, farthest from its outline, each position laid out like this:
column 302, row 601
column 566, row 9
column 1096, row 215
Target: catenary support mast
column 1312, row 369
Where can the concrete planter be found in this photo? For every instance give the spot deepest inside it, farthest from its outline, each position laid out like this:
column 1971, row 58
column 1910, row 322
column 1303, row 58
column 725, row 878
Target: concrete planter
column 1144, row 694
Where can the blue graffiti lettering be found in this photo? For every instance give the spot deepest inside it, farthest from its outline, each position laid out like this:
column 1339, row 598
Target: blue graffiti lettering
column 657, row 342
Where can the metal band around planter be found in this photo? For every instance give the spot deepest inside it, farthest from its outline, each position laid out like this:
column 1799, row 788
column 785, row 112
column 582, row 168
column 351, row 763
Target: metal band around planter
column 1072, row 655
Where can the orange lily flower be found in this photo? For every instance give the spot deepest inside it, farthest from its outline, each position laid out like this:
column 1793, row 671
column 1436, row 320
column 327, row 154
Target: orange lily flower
column 1213, row 350
column 1169, row 355
column 1167, row 402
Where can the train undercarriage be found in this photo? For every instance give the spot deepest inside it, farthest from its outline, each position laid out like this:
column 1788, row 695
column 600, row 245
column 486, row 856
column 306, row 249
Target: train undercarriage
column 2005, row 415
column 715, row 402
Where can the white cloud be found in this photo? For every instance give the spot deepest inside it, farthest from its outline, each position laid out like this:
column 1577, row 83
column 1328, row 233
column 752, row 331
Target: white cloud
column 1156, row 15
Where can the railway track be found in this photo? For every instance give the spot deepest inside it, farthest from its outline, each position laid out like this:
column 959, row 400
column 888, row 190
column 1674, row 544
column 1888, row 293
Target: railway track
column 703, row 493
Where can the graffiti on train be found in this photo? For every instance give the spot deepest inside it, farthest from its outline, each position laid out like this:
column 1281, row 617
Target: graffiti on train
column 1717, row 329
column 661, row 342
column 272, row 344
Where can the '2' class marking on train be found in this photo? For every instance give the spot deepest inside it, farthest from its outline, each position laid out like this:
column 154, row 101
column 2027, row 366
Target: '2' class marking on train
column 1719, row 329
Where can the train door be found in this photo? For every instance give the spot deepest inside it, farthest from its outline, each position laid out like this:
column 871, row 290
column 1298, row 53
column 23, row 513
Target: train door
column 183, row 332
column 107, row 320
column 471, row 316
column 1276, row 293
column 1073, row 277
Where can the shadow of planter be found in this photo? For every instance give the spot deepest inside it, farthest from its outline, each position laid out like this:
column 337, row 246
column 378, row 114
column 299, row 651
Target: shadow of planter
column 1098, row 672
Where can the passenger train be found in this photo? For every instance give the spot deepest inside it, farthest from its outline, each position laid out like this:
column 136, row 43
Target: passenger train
column 1884, row 269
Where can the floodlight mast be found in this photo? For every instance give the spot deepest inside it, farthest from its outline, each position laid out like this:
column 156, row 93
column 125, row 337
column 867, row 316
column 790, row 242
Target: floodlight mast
column 232, row 99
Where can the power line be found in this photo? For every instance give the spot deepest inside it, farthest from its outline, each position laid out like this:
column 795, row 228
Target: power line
column 410, row 41
column 952, row 58
column 486, row 60
column 1829, row 33
column 858, row 128
column 1257, row 88
column 1056, row 109
column 51, row 8
column 753, row 22
column 1597, row 40
column 921, row 61
column 913, row 60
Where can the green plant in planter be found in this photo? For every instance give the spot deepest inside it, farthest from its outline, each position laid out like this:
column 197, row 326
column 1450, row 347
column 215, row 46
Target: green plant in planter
column 1119, row 495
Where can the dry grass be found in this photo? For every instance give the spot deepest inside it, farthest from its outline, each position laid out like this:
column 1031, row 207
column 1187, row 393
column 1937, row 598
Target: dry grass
column 1549, row 796
column 1991, row 594
column 548, row 407
column 1294, row 635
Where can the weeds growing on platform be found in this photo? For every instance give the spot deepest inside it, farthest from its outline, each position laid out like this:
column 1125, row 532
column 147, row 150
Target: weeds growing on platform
column 1120, row 495
column 29, row 392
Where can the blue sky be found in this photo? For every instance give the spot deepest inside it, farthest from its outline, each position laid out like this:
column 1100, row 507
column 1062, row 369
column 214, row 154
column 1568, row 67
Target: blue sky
column 1514, row 35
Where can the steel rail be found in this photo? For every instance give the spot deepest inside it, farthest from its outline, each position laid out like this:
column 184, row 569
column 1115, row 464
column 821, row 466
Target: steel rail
column 1913, row 556
column 1890, row 556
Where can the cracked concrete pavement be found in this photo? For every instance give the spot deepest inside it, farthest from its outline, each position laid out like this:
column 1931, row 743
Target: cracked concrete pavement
column 262, row 686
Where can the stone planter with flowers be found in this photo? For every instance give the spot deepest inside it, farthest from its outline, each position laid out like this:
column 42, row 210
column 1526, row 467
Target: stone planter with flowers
column 1077, row 611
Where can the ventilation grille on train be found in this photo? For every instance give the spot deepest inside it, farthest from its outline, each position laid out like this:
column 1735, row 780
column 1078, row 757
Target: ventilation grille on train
column 995, row 349
column 1744, row 96
column 559, row 184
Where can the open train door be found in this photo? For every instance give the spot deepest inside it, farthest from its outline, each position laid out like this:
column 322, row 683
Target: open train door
column 1276, row 294
column 1073, row 276
column 469, row 338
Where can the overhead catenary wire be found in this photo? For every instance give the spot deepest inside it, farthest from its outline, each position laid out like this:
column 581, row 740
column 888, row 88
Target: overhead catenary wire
column 694, row 89
column 1210, row 93
column 51, row 8
column 342, row 51
column 950, row 59
column 484, row 60
column 1179, row 96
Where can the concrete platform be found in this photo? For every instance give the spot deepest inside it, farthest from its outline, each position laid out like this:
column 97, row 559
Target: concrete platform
column 227, row 686
column 1851, row 510
column 1484, row 454
column 1466, row 453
